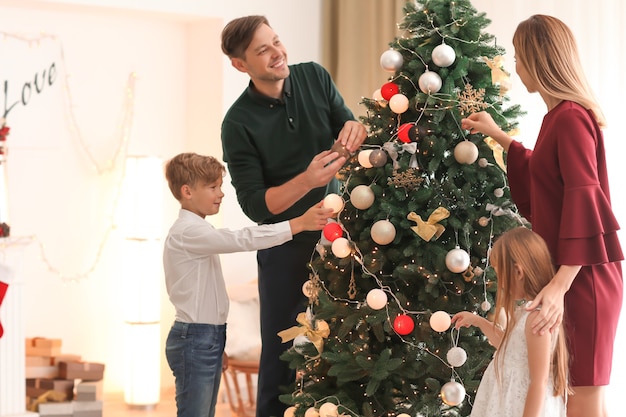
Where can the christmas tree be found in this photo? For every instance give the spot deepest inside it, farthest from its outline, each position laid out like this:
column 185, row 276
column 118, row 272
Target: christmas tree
column 422, row 203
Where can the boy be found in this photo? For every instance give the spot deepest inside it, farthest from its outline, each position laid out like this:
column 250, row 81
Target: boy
column 194, row 281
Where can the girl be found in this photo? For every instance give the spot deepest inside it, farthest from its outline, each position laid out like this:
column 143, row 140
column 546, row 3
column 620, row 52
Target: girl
column 528, row 375
column 562, row 187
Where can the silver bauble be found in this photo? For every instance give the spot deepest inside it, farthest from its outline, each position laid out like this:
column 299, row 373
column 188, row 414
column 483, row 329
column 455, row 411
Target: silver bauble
column 391, row 60
column 430, row 82
column 362, row 197
column 383, row 232
column 378, row 158
column 452, row 393
column 457, row 260
column 443, row 55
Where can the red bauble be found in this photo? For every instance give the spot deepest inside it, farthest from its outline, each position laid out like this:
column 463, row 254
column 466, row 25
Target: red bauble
column 388, row 90
column 403, row 132
column 403, row 324
column 332, row 231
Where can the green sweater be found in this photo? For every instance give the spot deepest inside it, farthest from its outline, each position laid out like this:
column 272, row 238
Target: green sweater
column 266, row 141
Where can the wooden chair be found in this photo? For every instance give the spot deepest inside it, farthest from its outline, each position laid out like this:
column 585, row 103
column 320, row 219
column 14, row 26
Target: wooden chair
column 242, row 399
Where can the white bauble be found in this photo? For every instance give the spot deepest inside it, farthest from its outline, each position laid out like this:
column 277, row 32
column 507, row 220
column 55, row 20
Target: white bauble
column 399, row 103
column 364, row 158
column 328, row 410
column 443, row 55
column 452, row 393
column 440, row 321
column 376, row 299
column 466, row 152
column 377, row 95
column 308, row 289
column 391, row 60
column 498, row 192
column 334, row 202
column 362, row 197
column 341, row 247
column 483, row 163
column 383, row 232
column 456, row 356
column 430, row 82
column 290, row 411
column 311, row 412
column 485, row 306
column 457, row 260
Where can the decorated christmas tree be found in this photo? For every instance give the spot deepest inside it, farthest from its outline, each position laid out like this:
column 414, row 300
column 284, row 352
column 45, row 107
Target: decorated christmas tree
column 422, row 203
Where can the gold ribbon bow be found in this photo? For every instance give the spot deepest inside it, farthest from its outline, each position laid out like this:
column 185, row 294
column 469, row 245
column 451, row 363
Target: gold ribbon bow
column 316, row 336
column 498, row 74
column 497, row 149
column 430, row 228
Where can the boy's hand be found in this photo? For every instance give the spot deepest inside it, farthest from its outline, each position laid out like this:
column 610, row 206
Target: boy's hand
column 314, row 218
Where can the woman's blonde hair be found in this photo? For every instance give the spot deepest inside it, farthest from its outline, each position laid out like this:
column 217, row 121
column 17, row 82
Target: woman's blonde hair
column 524, row 249
column 546, row 47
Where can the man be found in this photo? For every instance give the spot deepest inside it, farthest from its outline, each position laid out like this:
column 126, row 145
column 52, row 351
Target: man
column 276, row 139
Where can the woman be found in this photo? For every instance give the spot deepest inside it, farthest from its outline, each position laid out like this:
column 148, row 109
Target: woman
column 562, row 188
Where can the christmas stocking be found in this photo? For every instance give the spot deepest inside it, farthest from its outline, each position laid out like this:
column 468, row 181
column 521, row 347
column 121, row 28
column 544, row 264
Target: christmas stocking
column 3, row 291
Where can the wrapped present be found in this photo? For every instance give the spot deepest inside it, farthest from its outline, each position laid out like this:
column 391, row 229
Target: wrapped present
column 87, row 408
column 66, row 357
column 87, row 371
column 42, row 372
column 65, row 386
column 39, row 361
column 41, row 346
column 88, row 390
column 60, row 409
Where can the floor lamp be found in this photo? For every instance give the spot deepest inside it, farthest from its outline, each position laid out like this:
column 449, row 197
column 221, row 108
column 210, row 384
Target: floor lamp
column 141, row 204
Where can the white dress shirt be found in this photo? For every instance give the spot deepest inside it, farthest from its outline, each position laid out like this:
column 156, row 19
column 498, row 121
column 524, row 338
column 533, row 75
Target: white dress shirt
column 193, row 272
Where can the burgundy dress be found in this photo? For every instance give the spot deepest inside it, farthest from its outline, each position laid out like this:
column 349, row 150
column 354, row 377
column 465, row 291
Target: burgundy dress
column 562, row 188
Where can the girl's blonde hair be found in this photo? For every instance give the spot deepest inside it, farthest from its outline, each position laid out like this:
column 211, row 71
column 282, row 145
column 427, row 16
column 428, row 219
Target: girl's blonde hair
column 546, row 47
column 523, row 248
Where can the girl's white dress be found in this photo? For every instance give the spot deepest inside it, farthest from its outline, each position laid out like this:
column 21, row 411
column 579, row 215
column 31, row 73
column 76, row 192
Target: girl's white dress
column 507, row 398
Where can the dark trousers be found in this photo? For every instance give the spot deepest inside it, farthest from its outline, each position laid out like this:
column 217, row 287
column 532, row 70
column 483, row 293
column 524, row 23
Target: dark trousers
column 282, row 272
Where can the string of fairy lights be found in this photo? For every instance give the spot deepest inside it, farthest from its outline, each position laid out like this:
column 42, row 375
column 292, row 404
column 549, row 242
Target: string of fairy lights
column 111, row 165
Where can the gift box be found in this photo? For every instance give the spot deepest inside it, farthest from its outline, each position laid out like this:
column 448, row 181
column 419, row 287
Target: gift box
column 65, row 386
column 87, row 408
column 87, row 371
column 86, row 391
column 42, row 372
column 62, row 409
column 39, row 361
column 66, row 357
column 41, row 346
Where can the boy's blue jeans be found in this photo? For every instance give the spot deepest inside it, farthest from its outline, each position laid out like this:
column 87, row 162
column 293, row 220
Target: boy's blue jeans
column 194, row 353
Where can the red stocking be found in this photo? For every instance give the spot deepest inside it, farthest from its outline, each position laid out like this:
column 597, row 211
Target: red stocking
column 3, row 291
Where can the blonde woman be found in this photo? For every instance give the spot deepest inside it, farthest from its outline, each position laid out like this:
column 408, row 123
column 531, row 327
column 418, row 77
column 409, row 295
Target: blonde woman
column 562, row 188
column 528, row 375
